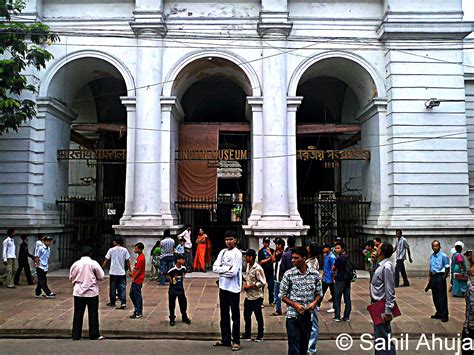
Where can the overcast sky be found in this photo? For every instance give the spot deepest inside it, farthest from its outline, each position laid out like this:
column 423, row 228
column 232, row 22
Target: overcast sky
column 468, row 6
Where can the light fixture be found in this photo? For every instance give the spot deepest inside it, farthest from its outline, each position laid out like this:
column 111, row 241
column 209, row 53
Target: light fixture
column 429, row 104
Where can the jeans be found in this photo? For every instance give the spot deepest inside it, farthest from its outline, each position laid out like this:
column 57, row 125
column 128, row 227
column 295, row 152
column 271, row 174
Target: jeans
column 166, row 263
column 342, row 288
column 229, row 302
column 11, row 268
column 188, row 253
column 383, row 331
column 276, row 293
column 400, row 268
column 183, row 305
column 327, row 285
column 118, row 284
column 136, row 297
column 298, row 331
column 23, row 264
column 42, row 282
column 439, row 293
column 270, row 284
column 80, row 304
column 253, row 306
column 313, row 339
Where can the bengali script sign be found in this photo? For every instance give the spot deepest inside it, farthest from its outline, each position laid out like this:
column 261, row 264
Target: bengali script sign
column 96, row 154
column 332, row 155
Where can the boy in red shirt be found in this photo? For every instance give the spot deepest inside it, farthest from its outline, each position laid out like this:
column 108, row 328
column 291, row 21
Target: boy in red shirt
column 138, row 276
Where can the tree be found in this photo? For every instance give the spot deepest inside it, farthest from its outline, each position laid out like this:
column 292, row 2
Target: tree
column 21, row 46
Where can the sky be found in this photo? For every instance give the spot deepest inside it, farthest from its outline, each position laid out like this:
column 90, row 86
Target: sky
column 468, row 7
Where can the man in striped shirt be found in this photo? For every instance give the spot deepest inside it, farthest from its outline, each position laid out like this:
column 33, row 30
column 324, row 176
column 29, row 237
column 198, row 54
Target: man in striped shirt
column 167, row 255
column 301, row 290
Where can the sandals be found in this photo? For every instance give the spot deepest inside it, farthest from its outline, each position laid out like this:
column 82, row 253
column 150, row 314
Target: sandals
column 235, row 347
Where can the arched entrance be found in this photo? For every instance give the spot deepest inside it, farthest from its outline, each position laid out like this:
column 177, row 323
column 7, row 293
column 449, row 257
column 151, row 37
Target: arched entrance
column 213, row 155
column 333, row 155
column 88, row 180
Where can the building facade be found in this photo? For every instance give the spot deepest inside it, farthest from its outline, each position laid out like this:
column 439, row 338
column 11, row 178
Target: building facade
column 320, row 99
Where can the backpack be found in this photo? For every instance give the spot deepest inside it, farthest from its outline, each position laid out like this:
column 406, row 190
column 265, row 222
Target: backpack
column 350, row 274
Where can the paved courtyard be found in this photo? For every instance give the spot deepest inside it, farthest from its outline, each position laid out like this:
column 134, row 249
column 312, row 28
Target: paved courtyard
column 23, row 315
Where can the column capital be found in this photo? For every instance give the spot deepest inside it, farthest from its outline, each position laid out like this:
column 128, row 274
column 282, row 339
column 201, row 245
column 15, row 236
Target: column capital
column 255, row 103
column 148, row 24
column 376, row 105
column 293, row 102
column 172, row 104
column 129, row 102
column 274, row 23
column 56, row 108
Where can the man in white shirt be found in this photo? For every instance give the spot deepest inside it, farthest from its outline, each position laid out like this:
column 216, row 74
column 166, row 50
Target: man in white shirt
column 84, row 275
column 118, row 258
column 188, row 247
column 9, row 256
column 229, row 267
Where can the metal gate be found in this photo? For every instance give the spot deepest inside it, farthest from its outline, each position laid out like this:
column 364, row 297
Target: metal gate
column 87, row 221
column 215, row 217
column 331, row 217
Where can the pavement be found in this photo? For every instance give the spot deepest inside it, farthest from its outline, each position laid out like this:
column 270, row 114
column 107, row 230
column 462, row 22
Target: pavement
column 22, row 315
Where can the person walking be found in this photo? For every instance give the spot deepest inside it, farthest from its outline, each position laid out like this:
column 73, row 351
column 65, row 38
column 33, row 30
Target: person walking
column 9, row 256
column 42, row 267
column 301, row 290
column 276, row 259
column 188, row 247
column 176, row 277
column 265, row 261
column 23, row 263
column 402, row 248
column 167, row 255
column 342, row 284
column 327, row 275
column 312, row 262
column 85, row 275
column 459, row 272
column 439, row 271
column 382, row 288
column 118, row 258
column 229, row 267
column 138, row 276
column 254, row 284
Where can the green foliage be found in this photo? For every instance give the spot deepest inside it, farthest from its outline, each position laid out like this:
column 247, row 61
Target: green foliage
column 21, row 46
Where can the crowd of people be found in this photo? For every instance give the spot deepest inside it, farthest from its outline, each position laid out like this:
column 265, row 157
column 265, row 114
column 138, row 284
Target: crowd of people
column 291, row 274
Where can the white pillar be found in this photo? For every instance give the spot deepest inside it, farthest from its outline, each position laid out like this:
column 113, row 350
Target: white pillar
column 293, row 104
column 146, row 202
column 257, row 163
column 129, row 103
column 275, row 162
column 172, row 113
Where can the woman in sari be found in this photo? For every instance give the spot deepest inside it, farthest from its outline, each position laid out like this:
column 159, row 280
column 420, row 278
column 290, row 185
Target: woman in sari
column 459, row 272
column 201, row 249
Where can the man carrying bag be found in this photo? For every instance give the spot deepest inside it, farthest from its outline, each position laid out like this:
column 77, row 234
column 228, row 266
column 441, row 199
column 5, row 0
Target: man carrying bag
column 382, row 291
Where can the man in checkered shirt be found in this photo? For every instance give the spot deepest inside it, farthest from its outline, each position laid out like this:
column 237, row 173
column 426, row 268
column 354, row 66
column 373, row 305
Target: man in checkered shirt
column 301, row 290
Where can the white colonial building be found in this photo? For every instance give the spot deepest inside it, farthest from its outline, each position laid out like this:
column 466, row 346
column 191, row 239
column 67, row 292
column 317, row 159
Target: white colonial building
column 327, row 106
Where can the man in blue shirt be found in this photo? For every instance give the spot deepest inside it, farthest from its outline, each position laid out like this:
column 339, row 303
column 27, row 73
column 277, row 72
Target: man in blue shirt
column 439, row 271
column 326, row 277
column 41, row 260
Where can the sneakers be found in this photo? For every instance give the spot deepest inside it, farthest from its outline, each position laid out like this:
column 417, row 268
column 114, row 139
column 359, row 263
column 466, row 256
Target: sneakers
column 122, row 306
column 345, row 319
column 172, row 323
column 136, row 316
column 274, row 314
column 336, row 319
column 331, row 310
column 110, row 304
column 100, row 338
column 187, row 321
column 37, row 296
column 246, row 339
column 51, row 295
column 259, row 340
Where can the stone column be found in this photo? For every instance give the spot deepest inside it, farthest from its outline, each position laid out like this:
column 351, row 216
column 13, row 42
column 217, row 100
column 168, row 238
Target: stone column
column 129, row 103
column 293, row 104
column 172, row 113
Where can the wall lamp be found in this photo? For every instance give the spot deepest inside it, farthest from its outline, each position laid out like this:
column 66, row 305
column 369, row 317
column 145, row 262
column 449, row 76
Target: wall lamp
column 429, row 104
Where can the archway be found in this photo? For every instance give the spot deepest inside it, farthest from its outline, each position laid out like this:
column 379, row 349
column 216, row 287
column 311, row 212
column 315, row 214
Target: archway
column 214, row 186
column 333, row 158
column 88, row 181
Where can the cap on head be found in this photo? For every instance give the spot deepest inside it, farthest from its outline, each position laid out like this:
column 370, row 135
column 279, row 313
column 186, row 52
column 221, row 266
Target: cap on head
column 251, row 252
column 48, row 238
column 459, row 243
column 266, row 240
column 279, row 241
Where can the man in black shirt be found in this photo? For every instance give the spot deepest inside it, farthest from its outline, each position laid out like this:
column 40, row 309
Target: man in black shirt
column 265, row 261
column 175, row 276
column 23, row 256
